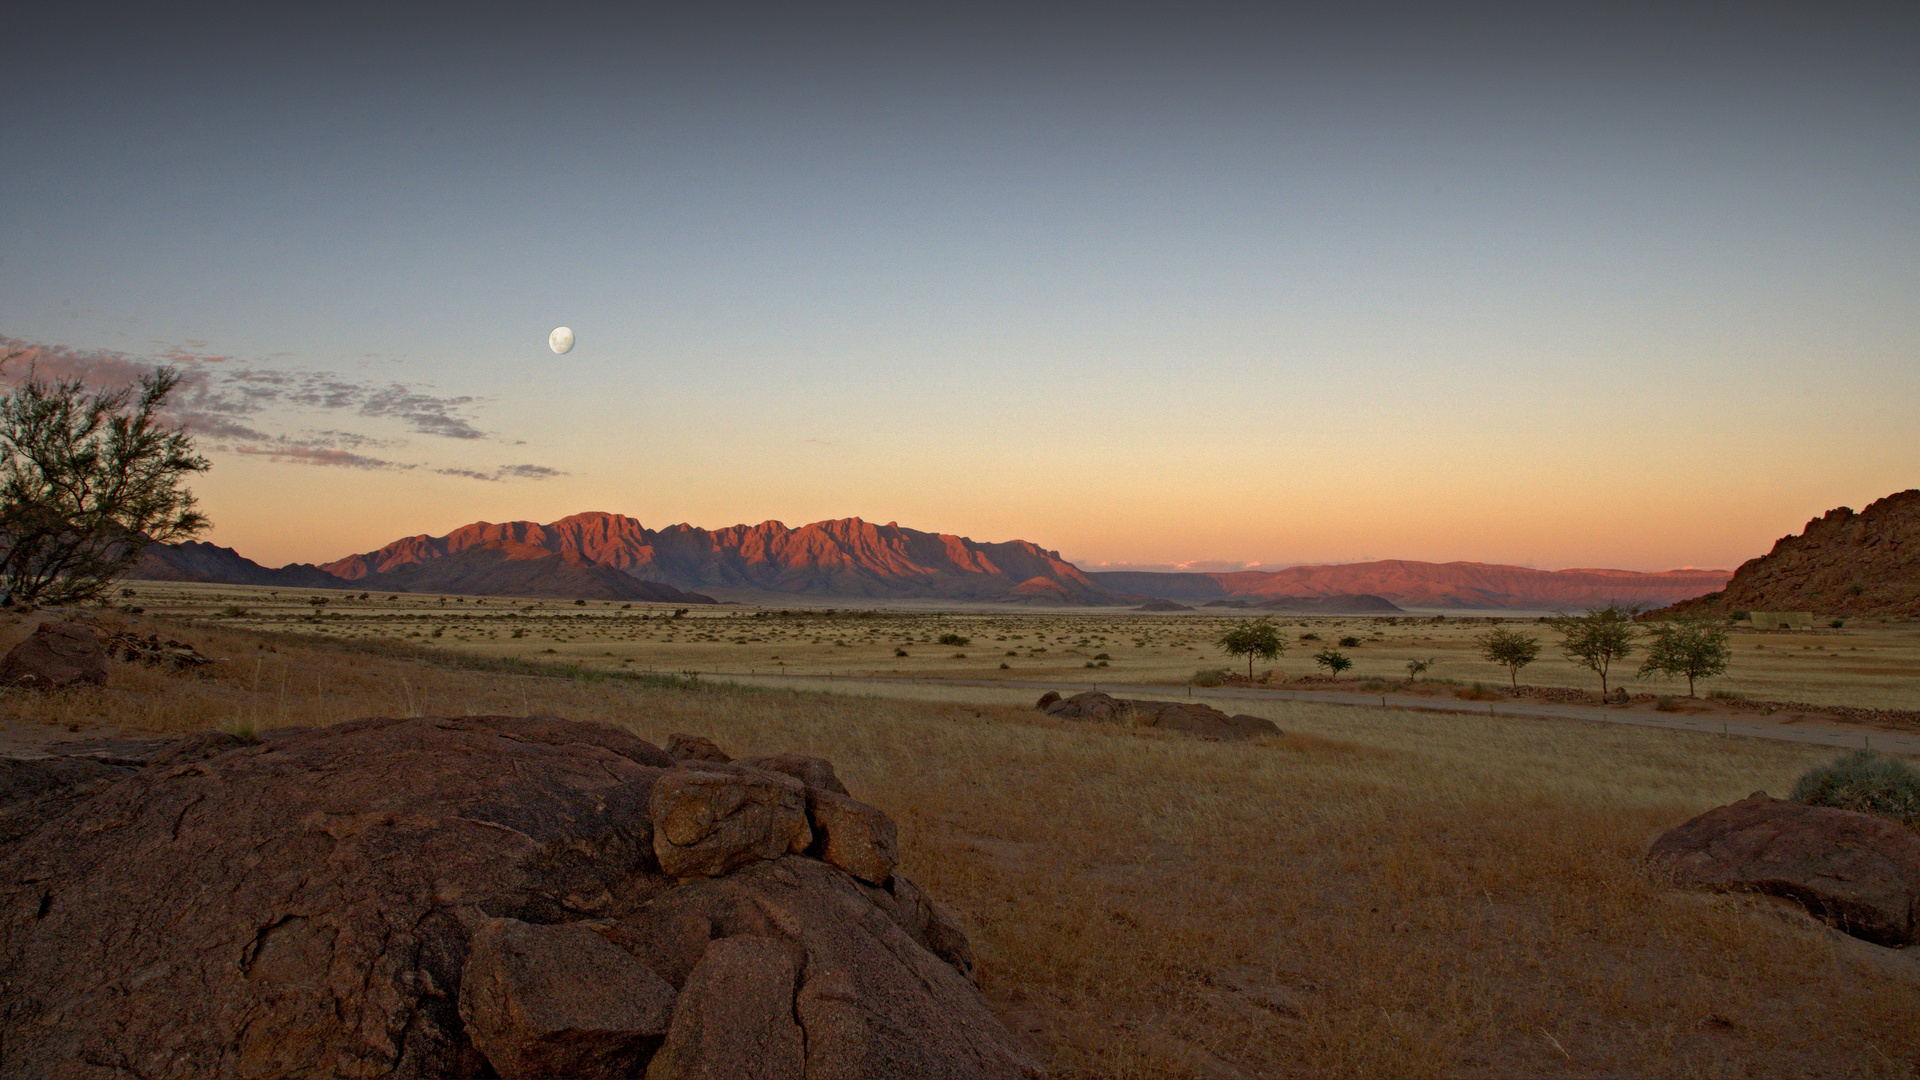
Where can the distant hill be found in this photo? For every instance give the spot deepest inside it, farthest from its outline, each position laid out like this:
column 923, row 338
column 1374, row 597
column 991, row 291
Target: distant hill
column 1842, row 563
column 195, row 561
column 847, row 557
column 1338, row 604
column 1406, row 583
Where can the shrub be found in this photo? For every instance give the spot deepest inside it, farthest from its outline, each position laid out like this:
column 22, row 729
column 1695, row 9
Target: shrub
column 1101, row 656
column 1863, row 781
column 1349, row 642
column 954, row 639
column 1211, row 676
column 1837, row 623
column 1665, row 703
column 1334, row 662
column 1309, row 637
column 1738, row 615
column 1726, row 695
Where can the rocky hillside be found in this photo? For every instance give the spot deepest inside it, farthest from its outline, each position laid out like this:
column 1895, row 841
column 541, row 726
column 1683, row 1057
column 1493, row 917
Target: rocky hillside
column 848, row 557
column 195, row 561
column 1414, row 584
column 1842, row 564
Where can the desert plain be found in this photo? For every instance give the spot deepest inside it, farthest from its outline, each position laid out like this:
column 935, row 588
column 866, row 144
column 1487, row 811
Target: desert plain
column 1374, row 892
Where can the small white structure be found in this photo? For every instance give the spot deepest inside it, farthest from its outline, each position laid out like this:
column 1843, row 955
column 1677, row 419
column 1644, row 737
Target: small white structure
column 1781, row 620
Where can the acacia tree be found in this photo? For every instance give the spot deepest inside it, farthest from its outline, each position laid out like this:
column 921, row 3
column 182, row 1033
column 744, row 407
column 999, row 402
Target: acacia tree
column 1598, row 638
column 1335, row 662
column 86, row 482
column 1694, row 648
column 1510, row 649
column 1251, row 638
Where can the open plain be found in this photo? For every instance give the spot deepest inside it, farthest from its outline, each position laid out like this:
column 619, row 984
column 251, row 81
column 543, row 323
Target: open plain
column 1374, row 892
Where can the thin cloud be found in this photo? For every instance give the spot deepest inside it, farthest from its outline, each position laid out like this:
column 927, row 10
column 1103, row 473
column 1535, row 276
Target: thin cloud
column 237, row 404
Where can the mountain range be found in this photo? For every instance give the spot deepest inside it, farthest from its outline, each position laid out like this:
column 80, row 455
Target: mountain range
column 610, row 556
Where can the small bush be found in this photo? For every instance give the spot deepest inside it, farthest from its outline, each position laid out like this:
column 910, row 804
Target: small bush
column 233, row 611
column 1101, row 656
column 1479, row 691
column 900, row 652
column 1726, row 695
column 1837, row 623
column 1004, row 666
column 954, row 639
column 1738, row 615
column 1309, row 637
column 1863, row 781
column 1209, row 676
column 1349, row 642
column 1666, row 704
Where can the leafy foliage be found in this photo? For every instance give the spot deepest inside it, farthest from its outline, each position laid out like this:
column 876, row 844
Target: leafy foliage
column 1251, row 638
column 1510, row 649
column 1334, row 662
column 86, row 482
column 1597, row 639
column 1864, row 781
column 1689, row 648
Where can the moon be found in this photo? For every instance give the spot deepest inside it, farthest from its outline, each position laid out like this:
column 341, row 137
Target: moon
column 561, row 340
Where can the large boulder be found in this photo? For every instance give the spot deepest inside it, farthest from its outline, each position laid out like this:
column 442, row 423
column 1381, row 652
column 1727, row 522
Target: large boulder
column 457, row 897
column 1192, row 717
column 1858, row 872
column 57, row 655
column 712, row 817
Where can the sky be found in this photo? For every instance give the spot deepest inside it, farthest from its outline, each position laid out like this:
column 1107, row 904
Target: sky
column 1200, row 285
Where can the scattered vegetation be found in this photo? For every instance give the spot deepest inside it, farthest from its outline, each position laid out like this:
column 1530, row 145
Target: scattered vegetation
column 1687, row 648
column 1251, row 638
column 1334, row 662
column 1597, row 639
column 1511, row 649
column 1864, row 781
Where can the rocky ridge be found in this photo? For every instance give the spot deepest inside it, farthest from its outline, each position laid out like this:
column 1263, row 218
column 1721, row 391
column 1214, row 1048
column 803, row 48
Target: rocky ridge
column 1841, row 564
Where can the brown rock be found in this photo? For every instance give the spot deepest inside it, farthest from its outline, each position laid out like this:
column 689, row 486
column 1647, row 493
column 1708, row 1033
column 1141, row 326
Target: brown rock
column 1192, row 717
column 311, row 884
column 59, row 654
column 735, row 1020
column 708, row 821
column 457, row 897
column 853, row 836
column 560, row 1001
column 682, row 747
column 1047, row 699
column 1091, row 705
column 873, row 1002
column 1858, row 872
column 811, row 771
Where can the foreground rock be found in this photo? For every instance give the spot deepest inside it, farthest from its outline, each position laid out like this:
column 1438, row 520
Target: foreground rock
column 1858, row 872
column 1192, row 717
column 59, row 654
column 459, row 897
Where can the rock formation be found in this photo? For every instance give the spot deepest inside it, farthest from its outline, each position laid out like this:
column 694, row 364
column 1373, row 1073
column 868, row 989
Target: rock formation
column 1858, row 872
column 58, row 654
column 470, row 896
column 1843, row 563
column 1192, row 717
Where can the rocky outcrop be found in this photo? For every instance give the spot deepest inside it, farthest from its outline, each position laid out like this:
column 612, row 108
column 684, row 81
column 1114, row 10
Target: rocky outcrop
column 57, row 655
column 1191, row 717
column 465, row 896
column 1858, row 872
column 1843, row 563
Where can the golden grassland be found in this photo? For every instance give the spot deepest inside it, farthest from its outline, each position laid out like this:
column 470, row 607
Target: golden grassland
column 1373, row 893
column 1867, row 663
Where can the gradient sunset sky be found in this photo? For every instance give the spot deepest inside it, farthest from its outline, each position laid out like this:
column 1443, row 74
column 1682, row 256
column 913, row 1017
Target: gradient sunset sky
column 1186, row 284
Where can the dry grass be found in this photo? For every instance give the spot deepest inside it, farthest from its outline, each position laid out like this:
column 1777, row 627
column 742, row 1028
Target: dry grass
column 1865, row 664
column 1373, row 894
